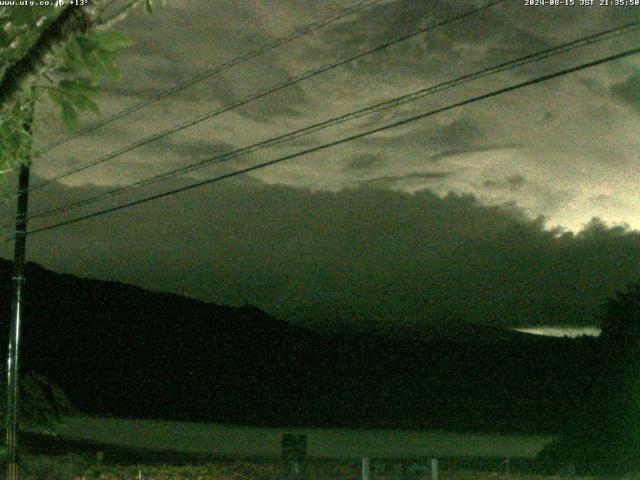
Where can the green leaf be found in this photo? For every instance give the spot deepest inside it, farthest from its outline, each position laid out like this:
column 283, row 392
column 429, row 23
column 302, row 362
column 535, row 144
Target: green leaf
column 79, row 86
column 69, row 115
column 73, row 96
column 5, row 38
column 112, row 41
column 70, row 64
column 148, row 7
column 73, row 48
column 103, row 65
column 87, row 47
column 56, row 95
column 72, row 56
column 85, row 103
column 87, row 42
column 24, row 137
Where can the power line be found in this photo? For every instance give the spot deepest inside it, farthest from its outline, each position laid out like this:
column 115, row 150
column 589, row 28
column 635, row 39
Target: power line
column 215, row 71
column 264, row 93
column 343, row 140
column 392, row 103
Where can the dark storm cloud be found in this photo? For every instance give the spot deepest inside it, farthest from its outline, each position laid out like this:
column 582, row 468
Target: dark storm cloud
column 459, row 133
column 219, row 88
column 486, row 37
column 192, row 149
column 258, row 80
column 365, row 162
column 628, row 92
column 373, row 256
column 163, row 64
column 383, row 23
column 512, row 182
column 392, row 179
column 222, row 37
column 622, row 15
column 138, row 84
column 460, row 151
column 516, row 180
column 462, row 133
column 177, row 154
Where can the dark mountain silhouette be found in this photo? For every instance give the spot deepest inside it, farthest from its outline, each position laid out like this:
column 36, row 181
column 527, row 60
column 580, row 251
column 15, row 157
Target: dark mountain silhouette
column 602, row 437
column 119, row 350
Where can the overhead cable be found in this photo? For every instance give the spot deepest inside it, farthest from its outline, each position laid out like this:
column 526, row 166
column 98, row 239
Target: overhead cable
column 214, row 71
column 369, row 110
column 256, row 96
column 343, row 140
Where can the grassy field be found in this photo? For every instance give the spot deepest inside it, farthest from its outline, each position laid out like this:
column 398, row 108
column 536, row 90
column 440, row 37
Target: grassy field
column 261, row 472
column 72, row 467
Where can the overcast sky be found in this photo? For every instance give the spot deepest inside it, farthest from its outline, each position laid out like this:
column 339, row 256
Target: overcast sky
column 521, row 210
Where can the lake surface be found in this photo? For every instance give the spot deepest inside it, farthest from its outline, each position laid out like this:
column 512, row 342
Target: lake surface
column 227, row 440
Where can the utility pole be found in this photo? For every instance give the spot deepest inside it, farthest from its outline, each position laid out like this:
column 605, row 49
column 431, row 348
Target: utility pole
column 20, row 241
column 18, row 280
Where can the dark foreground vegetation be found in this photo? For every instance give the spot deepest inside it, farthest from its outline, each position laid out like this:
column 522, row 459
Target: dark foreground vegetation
column 121, row 351
column 602, row 435
column 84, row 467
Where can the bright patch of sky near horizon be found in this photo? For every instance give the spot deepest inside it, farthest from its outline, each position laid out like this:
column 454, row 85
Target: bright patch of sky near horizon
column 571, row 332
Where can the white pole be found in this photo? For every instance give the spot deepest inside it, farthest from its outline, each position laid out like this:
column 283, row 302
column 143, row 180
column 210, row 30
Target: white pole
column 365, row 468
column 434, row 469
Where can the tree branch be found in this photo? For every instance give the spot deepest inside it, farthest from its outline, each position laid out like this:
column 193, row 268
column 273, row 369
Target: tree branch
column 118, row 16
column 18, row 77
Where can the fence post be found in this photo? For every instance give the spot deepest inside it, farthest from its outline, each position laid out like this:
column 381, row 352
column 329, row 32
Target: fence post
column 434, row 469
column 365, row 468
